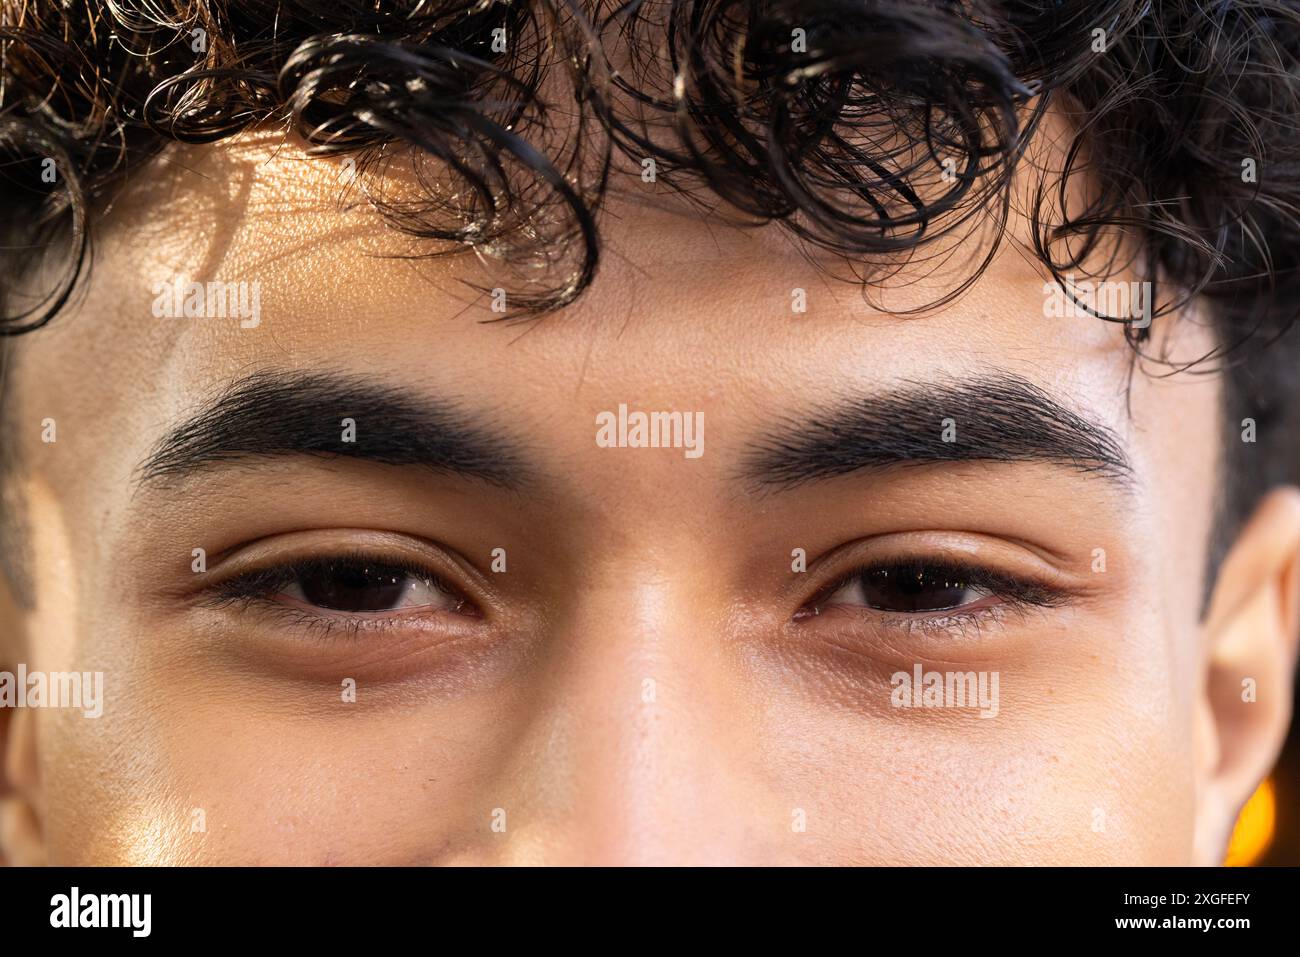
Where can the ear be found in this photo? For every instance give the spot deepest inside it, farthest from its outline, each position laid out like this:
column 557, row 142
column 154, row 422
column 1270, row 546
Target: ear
column 21, row 839
column 1243, row 704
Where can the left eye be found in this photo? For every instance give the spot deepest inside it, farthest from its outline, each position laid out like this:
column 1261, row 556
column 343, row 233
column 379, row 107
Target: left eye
column 359, row 586
column 908, row 589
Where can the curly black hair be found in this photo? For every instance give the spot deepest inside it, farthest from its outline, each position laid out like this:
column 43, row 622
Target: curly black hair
column 877, row 130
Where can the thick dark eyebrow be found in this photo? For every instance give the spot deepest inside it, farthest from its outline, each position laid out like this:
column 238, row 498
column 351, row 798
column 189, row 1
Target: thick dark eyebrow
column 282, row 413
column 996, row 418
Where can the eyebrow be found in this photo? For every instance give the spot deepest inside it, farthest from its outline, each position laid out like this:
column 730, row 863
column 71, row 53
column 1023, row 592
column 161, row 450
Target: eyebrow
column 994, row 418
column 285, row 413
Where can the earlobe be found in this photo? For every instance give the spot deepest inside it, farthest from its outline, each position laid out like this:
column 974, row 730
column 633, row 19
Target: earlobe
column 1248, row 666
column 21, row 840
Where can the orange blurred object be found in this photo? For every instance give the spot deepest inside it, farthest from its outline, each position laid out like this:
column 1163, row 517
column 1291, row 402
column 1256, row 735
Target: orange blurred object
column 1254, row 829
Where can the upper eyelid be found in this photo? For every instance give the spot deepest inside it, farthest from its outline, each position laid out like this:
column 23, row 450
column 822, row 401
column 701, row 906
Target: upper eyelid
column 424, row 554
column 951, row 546
column 279, row 574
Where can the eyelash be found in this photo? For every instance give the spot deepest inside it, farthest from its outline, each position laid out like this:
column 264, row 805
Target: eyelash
column 258, row 587
column 1014, row 593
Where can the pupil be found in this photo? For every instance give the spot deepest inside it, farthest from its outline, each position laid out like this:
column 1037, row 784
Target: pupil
column 904, row 590
column 354, row 587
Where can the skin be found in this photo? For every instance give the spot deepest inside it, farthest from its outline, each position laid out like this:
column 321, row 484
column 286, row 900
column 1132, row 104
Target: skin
column 1121, row 737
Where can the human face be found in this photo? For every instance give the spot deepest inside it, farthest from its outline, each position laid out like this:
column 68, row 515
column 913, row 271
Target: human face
column 544, row 649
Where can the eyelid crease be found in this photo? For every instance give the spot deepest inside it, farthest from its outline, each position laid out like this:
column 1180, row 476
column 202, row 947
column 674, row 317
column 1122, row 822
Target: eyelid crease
column 431, row 557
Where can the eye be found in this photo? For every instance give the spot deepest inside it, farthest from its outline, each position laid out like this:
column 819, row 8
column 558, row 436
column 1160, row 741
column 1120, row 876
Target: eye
column 909, row 589
column 918, row 587
column 351, row 585
column 363, row 586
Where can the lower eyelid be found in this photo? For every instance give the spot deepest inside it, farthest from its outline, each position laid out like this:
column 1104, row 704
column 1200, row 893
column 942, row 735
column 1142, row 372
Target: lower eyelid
column 951, row 619
column 377, row 621
column 408, row 611
column 959, row 626
column 297, row 630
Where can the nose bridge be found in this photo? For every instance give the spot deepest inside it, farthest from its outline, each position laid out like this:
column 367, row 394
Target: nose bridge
column 637, row 750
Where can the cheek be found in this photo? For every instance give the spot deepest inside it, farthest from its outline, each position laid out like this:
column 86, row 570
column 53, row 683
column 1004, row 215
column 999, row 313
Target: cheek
column 193, row 763
column 219, row 782
column 1050, row 796
column 107, row 802
column 1087, row 761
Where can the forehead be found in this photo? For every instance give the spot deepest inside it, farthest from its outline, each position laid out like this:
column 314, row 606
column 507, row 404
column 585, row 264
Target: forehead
column 687, row 312
column 676, row 282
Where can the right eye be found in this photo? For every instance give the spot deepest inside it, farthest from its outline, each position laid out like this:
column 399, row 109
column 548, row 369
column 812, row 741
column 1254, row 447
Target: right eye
column 350, row 585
